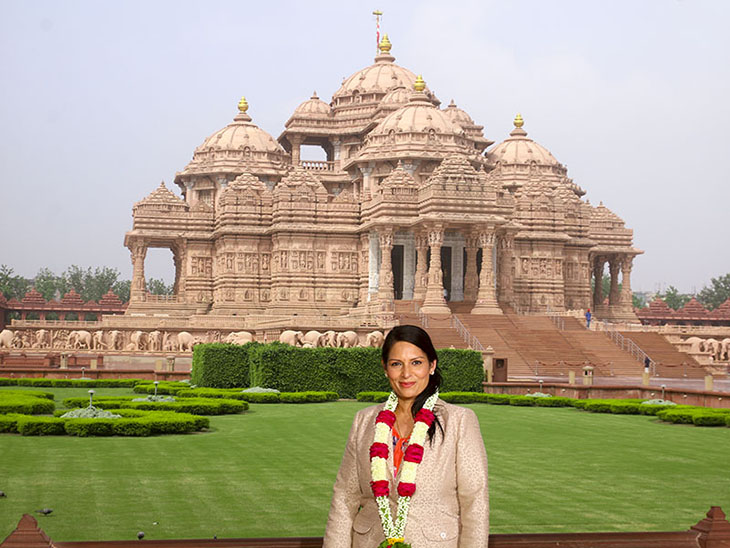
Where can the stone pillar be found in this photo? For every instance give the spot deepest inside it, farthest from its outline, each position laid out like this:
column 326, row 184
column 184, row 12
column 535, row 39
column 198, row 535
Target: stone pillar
column 138, row 290
column 336, row 151
column 373, row 264
column 471, row 281
column 367, row 191
column 385, row 278
column 434, row 302
column 178, row 257
column 421, row 276
column 409, row 269
column 598, row 281
column 457, row 271
column 296, row 154
column 614, row 264
column 486, row 297
column 364, row 267
column 627, row 297
column 504, row 268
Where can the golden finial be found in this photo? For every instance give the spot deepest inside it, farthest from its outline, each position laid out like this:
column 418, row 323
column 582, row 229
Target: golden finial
column 419, row 85
column 243, row 105
column 519, row 122
column 385, row 45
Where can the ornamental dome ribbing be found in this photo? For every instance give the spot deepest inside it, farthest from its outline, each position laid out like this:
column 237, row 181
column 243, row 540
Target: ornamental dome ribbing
column 458, row 116
column 520, row 149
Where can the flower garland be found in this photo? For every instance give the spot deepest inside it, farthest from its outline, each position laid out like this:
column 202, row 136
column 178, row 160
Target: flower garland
column 394, row 532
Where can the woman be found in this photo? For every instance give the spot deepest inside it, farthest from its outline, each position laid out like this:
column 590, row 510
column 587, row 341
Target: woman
column 427, row 467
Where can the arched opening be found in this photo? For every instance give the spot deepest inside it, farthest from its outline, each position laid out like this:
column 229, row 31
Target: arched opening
column 313, row 153
column 159, row 269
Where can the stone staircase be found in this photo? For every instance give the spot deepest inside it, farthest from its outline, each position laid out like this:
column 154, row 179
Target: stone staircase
column 669, row 361
column 535, row 345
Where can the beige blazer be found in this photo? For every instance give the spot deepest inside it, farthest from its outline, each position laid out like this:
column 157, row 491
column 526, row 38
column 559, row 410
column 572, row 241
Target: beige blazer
column 450, row 507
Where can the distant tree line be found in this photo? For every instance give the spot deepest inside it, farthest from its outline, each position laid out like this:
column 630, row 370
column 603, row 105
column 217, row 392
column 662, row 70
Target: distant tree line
column 711, row 296
column 90, row 283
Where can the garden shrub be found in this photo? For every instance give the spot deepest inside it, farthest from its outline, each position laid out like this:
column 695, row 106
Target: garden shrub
column 34, row 393
column 463, row 397
column 26, row 405
column 5, row 381
column 76, row 383
column 376, row 397
column 105, row 402
column 163, row 387
column 522, row 401
column 41, row 426
column 713, row 417
column 90, row 427
column 621, row 408
column 307, row 397
column 555, row 401
column 677, row 416
column 227, row 393
column 498, row 399
column 221, row 365
column 131, row 427
column 195, row 406
column 9, row 422
column 261, row 397
column 651, row 409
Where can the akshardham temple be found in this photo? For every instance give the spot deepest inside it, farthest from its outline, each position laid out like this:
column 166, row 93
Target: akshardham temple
column 412, row 203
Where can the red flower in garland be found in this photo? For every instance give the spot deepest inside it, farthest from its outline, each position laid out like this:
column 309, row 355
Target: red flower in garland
column 406, row 489
column 414, row 453
column 379, row 450
column 423, row 415
column 387, row 417
column 380, row 488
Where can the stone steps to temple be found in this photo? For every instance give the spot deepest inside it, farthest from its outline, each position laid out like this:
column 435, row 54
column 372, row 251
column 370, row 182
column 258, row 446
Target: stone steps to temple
column 669, row 361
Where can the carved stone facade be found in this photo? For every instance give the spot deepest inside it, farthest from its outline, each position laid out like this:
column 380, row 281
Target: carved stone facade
column 408, row 205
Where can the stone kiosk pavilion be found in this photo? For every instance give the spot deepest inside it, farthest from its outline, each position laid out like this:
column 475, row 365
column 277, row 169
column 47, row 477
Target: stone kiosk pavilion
column 409, row 205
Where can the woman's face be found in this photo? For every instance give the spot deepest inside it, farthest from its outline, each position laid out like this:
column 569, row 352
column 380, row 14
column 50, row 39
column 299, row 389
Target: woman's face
column 408, row 370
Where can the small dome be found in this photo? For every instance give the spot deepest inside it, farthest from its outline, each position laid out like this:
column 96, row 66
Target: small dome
column 520, row 149
column 397, row 96
column 419, row 115
column 314, row 106
column 458, row 116
column 238, row 147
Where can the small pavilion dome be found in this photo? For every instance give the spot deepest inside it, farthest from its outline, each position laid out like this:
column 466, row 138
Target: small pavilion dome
column 518, row 148
column 313, row 107
column 458, row 116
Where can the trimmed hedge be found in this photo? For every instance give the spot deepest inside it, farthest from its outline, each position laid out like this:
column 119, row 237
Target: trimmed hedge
column 346, row 371
column 26, row 405
column 226, row 393
column 41, row 426
column 464, row 397
column 163, row 387
column 222, row 365
column 77, row 383
column 307, row 397
column 376, row 397
column 195, row 406
column 5, row 381
column 34, row 393
column 9, row 422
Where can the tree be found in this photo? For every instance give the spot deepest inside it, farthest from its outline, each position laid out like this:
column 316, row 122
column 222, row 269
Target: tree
column 674, row 298
column 159, row 287
column 13, row 285
column 122, row 289
column 638, row 300
column 50, row 285
column 91, row 284
column 717, row 293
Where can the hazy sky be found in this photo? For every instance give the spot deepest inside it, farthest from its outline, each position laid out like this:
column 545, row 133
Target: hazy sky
column 100, row 101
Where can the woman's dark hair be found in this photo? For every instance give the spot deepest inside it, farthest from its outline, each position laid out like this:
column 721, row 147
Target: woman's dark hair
column 417, row 337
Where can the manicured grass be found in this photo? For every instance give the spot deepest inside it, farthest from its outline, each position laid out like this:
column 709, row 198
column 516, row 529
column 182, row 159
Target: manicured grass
column 270, row 472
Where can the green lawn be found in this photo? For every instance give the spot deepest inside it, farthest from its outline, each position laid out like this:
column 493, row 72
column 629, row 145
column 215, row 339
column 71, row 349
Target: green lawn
column 270, row 471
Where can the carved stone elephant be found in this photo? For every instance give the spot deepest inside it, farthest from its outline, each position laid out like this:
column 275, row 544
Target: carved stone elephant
column 330, row 339
column 185, row 341
column 79, row 339
column 239, row 337
column 97, row 340
column 711, row 347
column 41, row 338
column 154, row 341
column 724, row 350
column 139, row 340
column 6, row 338
column 694, row 343
column 347, row 339
column 293, row 338
column 375, row 339
column 169, row 341
column 115, row 339
column 315, row 338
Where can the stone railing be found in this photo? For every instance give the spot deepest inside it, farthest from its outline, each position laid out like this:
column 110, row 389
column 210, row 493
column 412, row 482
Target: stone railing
column 627, row 345
column 317, row 165
column 465, row 334
column 150, row 298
